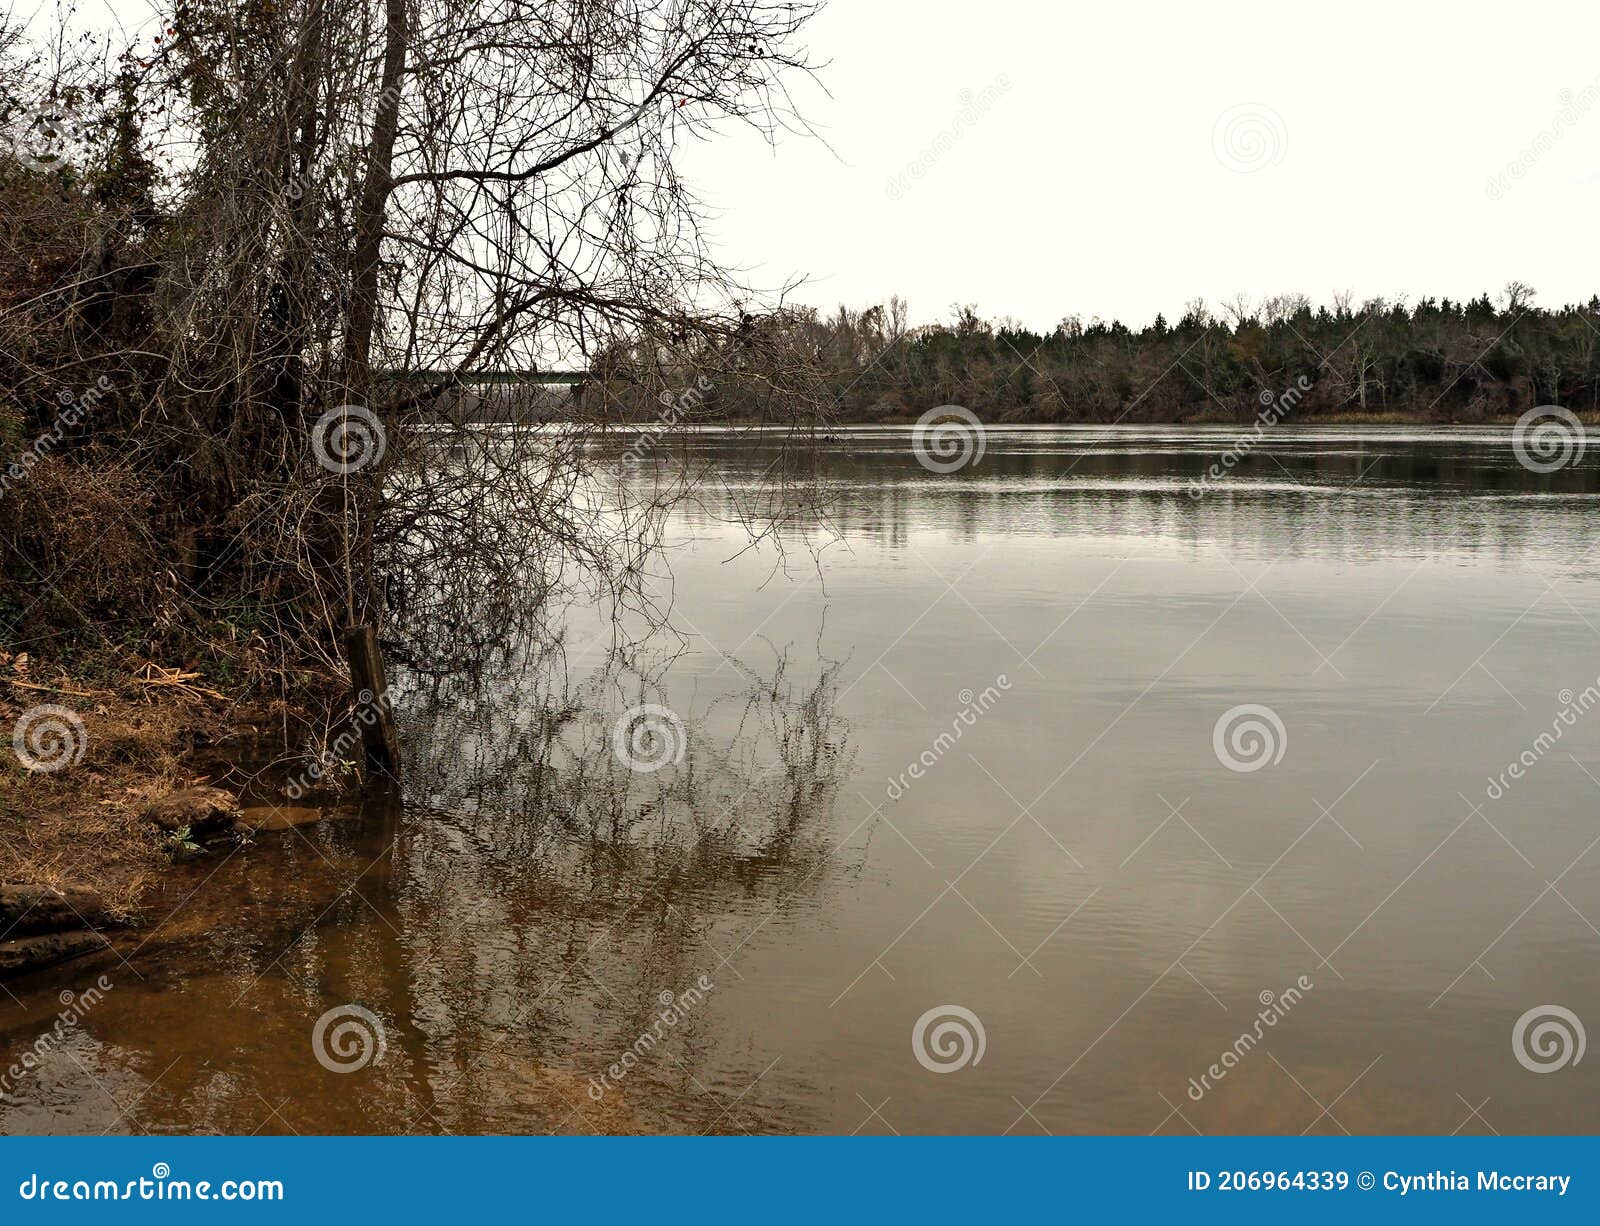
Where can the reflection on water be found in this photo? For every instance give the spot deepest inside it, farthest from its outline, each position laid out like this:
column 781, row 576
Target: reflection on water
column 1072, row 863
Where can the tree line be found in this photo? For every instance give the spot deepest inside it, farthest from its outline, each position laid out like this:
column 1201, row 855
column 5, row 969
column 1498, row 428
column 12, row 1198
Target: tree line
column 1489, row 358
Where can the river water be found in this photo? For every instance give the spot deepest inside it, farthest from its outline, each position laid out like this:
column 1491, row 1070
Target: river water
column 1008, row 800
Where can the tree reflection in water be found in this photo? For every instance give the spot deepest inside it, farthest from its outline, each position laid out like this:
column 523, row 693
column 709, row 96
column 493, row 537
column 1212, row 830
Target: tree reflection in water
column 550, row 894
column 513, row 917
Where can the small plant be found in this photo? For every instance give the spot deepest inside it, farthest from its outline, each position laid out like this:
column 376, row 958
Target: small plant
column 183, row 839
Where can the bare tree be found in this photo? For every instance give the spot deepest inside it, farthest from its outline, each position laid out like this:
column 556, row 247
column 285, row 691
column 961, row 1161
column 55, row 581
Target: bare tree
column 365, row 209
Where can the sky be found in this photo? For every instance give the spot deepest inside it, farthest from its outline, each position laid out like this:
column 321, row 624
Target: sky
column 1135, row 156
column 1041, row 159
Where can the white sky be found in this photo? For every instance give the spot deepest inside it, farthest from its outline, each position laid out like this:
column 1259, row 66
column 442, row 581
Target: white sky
column 1091, row 185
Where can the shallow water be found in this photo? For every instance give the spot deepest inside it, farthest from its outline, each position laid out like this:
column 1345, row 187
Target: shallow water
column 1075, row 868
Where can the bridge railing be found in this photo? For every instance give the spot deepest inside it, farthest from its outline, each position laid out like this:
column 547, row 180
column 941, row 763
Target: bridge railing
column 489, row 378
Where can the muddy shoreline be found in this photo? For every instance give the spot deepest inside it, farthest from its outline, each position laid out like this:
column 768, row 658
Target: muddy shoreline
column 116, row 806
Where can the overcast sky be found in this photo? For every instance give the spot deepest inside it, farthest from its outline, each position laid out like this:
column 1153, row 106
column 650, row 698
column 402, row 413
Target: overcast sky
column 1144, row 154
column 1041, row 159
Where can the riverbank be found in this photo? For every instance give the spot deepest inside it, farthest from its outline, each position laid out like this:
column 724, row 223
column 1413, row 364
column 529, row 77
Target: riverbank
column 909, row 416
column 116, row 774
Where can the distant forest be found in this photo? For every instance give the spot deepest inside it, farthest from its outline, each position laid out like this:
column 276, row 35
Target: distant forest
column 1436, row 360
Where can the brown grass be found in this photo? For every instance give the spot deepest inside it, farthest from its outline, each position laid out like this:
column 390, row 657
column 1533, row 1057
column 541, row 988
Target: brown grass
column 82, row 825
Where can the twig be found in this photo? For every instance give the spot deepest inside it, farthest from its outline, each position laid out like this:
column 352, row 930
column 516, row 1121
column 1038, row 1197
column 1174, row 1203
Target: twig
column 55, row 689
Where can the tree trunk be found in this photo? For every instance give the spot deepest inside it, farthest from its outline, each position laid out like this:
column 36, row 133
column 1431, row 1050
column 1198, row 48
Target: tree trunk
column 370, row 698
column 373, row 208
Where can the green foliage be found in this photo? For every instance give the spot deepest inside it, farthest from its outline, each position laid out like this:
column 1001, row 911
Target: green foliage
column 1437, row 360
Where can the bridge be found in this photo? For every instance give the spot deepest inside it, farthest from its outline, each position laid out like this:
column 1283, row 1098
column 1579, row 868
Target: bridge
column 470, row 396
column 491, row 378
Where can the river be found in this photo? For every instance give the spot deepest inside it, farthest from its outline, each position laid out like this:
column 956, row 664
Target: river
column 1009, row 799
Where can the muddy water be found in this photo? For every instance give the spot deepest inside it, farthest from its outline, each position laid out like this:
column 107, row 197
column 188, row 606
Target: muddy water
column 964, row 756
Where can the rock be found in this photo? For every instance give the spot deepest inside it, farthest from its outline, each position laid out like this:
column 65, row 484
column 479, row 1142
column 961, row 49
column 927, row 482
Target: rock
column 30, row 953
column 29, row 909
column 278, row 817
column 203, row 810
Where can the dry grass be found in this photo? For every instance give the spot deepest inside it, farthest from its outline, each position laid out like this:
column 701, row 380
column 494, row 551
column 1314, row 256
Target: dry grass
column 82, row 825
